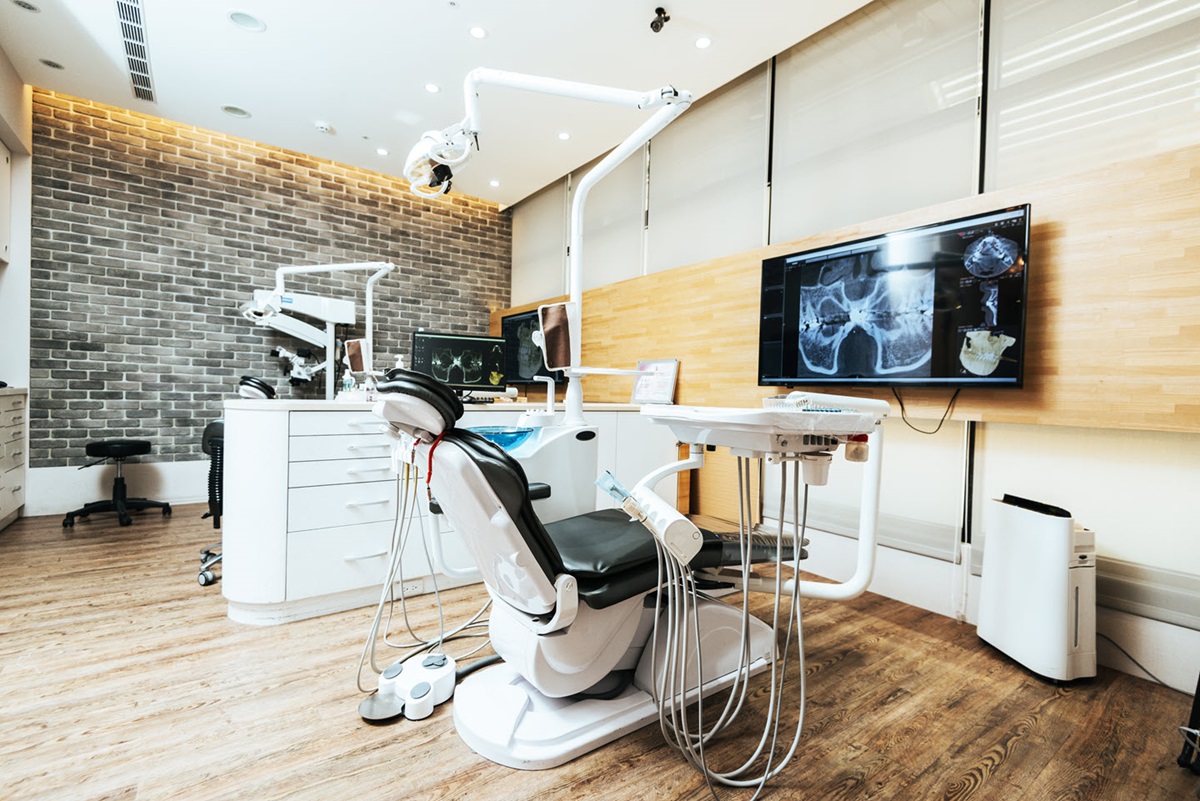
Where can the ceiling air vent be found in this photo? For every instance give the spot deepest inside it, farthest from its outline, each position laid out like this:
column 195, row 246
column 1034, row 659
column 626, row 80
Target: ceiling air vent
column 133, row 32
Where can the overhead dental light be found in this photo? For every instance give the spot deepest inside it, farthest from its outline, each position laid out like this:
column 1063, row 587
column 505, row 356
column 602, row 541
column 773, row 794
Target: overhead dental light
column 432, row 162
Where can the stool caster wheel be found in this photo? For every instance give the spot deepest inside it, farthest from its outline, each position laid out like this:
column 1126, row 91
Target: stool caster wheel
column 206, row 577
column 68, row 523
column 166, row 511
column 125, row 521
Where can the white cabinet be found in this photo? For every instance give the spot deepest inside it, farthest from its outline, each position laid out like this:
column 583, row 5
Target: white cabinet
column 13, row 421
column 310, row 503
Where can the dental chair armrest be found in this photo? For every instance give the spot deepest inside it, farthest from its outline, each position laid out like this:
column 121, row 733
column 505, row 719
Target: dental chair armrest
column 566, row 606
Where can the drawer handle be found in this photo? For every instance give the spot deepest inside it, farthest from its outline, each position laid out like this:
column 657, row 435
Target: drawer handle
column 353, row 504
column 359, row 471
column 358, row 557
column 368, row 447
column 361, row 423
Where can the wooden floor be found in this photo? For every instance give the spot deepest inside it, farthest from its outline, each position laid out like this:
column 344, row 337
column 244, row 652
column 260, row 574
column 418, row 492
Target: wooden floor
column 121, row 678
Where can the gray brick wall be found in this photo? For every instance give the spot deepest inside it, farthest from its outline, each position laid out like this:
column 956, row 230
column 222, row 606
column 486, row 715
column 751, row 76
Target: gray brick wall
column 148, row 236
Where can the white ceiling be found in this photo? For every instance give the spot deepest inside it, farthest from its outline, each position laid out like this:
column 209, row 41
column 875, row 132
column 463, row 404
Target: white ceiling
column 361, row 67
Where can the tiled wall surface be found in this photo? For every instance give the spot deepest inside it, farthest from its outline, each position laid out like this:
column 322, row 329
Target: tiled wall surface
column 148, row 236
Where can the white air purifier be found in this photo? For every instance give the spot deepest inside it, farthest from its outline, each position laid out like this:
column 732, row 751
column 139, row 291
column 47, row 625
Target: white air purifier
column 1037, row 599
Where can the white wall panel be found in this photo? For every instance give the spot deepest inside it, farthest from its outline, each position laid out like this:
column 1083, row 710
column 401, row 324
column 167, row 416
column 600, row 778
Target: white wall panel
column 1079, row 85
column 875, row 115
column 1135, row 489
column 539, row 245
column 708, row 177
column 613, row 222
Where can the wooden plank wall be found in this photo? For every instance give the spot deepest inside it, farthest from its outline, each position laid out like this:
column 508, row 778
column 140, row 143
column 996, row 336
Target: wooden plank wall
column 1113, row 318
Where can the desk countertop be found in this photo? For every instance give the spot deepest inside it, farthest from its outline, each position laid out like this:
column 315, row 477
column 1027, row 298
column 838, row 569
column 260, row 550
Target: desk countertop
column 243, row 404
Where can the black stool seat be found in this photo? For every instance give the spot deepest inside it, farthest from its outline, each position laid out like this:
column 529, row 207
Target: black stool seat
column 117, row 448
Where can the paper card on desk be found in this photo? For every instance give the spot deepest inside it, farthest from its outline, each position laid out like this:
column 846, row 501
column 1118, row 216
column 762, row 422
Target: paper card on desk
column 656, row 384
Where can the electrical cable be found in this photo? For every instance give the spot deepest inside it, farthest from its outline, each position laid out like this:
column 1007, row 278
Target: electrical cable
column 945, row 414
column 407, row 493
column 1140, row 666
column 678, row 684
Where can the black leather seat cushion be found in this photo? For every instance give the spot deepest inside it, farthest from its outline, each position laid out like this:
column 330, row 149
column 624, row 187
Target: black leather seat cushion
column 117, row 448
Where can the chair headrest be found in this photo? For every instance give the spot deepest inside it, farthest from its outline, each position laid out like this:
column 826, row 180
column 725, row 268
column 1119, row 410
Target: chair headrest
column 425, row 387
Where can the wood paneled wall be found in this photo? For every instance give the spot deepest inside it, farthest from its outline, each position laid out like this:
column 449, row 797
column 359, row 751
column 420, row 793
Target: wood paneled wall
column 1113, row 337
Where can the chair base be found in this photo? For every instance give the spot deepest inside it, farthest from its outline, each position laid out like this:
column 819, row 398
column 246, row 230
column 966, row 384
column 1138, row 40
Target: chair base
column 119, row 504
column 209, row 558
column 503, row 718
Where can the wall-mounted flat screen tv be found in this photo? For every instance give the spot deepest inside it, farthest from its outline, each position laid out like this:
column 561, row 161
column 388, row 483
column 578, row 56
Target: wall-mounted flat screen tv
column 523, row 358
column 465, row 363
column 936, row 305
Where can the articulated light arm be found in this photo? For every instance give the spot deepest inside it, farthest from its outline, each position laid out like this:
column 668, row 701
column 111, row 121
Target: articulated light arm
column 431, row 163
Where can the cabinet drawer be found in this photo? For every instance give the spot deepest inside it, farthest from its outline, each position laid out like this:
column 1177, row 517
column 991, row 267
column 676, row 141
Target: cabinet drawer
column 357, row 446
column 337, row 559
column 12, row 434
column 12, row 490
column 11, row 403
column 341, row 505
column 12, row 455
column 315, row 424
column 340, row 471
column 10, row 418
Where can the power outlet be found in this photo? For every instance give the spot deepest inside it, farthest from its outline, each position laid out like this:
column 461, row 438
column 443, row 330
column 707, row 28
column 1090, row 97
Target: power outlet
column 413, row 587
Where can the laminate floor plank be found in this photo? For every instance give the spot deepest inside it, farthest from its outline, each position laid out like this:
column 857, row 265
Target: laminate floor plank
column 122, row 679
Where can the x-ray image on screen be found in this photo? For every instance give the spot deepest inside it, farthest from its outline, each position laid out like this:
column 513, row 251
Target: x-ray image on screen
column 934, row 305
column 463, row 362
column 523, row 358
column 857, row 297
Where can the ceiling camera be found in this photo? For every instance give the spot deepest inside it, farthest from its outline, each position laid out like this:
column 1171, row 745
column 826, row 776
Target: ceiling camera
column 660, row 19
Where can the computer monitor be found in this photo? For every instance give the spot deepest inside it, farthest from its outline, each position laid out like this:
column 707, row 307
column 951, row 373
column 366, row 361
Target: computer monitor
column 523, row 359
column 465, row 363
column 935, row 305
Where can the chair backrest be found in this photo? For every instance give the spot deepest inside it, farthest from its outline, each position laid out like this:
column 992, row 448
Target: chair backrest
column 486, row 502
column 482, row 491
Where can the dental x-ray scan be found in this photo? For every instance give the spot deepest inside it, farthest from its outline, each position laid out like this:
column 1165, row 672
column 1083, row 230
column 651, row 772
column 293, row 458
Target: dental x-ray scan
column 938, row 305
column 463, row 362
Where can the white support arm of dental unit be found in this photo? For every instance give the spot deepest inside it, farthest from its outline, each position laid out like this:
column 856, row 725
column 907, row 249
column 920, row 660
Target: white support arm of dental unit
column 431, row 163
column 790, row 434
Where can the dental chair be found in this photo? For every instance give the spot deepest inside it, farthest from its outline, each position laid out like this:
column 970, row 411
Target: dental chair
column 573, row 601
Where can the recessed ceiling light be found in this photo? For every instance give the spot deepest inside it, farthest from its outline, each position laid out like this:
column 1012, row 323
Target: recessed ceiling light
column 478, row 33
column 54, row 65
column 383, row 151
column 702, row 42
column 432, row 88
column 247, row 22
column 26, row 6
column 564, row 136
column 236, row 111
column 493, row 183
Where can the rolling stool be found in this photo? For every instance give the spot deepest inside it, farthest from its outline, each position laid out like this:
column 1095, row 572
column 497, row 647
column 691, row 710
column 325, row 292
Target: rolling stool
column 118, row 450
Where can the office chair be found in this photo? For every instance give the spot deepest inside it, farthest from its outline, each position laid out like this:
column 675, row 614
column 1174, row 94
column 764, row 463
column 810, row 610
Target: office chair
column 573, row 601
column 212, row 442
column 118, row 450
